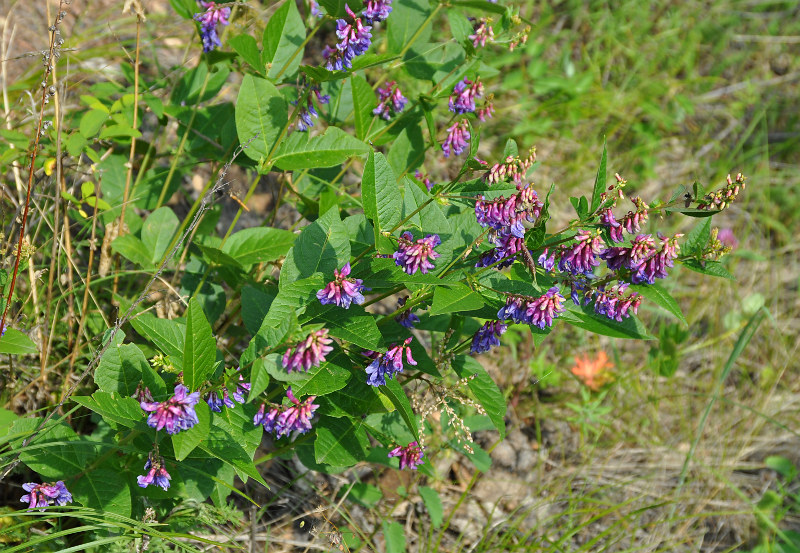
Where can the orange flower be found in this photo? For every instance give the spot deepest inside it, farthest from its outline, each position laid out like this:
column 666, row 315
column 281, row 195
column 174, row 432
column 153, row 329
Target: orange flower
column 593, row 372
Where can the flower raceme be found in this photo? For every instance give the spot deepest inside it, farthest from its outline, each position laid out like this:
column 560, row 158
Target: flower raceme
column 510, row 214
column 209, row 20
column 308, row 353
column 534, row 311
column 457, row 138
column 40, row 496
column 580, row 258
column 155, row 473
column 283, row 420
column 410, row 456
column 175, row 414
column 390, row 101
column 413, row 256
column 388, row 364
column 377, row 10
column 488, row 336
column 407, row 317
column 462, row 100
column 342, row 290
column 354, row 39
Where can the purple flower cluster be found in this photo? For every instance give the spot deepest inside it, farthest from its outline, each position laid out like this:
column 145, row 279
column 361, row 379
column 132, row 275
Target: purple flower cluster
column 487, row 111
column 481, row 33
column 630, row 223
column 40, row 496
column 508, row 215
column 209, row 20
column 308, row 353
column 512, row 167
column 416, row 255
column 377, row 10
column 410, row 456
column 155, row 473
column 720, row 199
column 175, row 414
column 314, row 7
column 342, row 291
column 462, row 100
column 388, row 364
column 615, row 304
column 488, row 336
column 304, row 116
column 354, row 39
column 215, row 403
column 644, row 258
column 283, row 420
column 534, row 311
column 457, row 137
column 424, row 178
column 507, row 246
column 390, row 100
column 407, row 317
column 580, row 258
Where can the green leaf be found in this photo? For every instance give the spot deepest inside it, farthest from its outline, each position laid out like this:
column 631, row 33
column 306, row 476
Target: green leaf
column 200, row 348
column 225, row 448
column 54, row 452
column 334, row 8
column 322, row 246
column 365, row 494
column 283, row 40
column 353, row 325
column 697, row 238
column 15, row 342
column 261, row 114
column 404, row 27
column 120, row 369
column 184, row 442
column 356, row 397
column 711, row 268
column 408, row 150
column 631, row 327
column 460, row 27
column 321, row 75
column 454, row 299
column 328, row 377
column 433, row 504
column 120, row 410
column 157, row 232
column 340, row 442
column 168, row 335
column 256, row 302
column 364, row 102
column 133, row 249
column 7, row 418
column 394, row 391
column 483, row 5
column 245, row 45
column 484, row 389
column 103, row 489
column 395, row 537
column 302, row 151
column 380, row 195
column 660, row 297
column 92, row 121
column 599, row 180
column 258, row 245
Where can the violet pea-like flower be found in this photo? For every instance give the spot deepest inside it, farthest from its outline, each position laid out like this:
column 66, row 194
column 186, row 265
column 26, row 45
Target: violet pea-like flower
column 412, row 255
column 342, row 291
column 410, row 456
column 40, row 496
column 175, row 414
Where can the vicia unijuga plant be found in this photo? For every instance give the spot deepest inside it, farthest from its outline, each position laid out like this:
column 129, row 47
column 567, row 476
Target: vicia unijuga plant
column 401, row 247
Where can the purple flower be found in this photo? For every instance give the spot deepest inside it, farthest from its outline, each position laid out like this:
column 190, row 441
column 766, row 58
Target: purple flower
column 487, row 111
column 533, row 311
column 390, row 101
column 482, row 32
column 614, row 227
column 407, row 317
column 308, row 353
column 209, row 20
column 547, row 260
column 155, row 473
column 242, row 390
column 512, row 166
column 655, row 266
column 342, row 291
column 508, row 215
column 388, row 364
column 424, row 179
column 410, row 455
column 214, row 402
column 314, row 6
column 285, row 420
column 354, row 39
column 457, row 137
column 487, row 336
column 614, row 304
column 630, row 223
column 412, row 256
column 377, row 10
column 40, row 496
column 507, row 248
column 462, row 100
column 305, row 114
column 642, row 247
column 725, row 236
column 581, row 258
column 175, row 414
